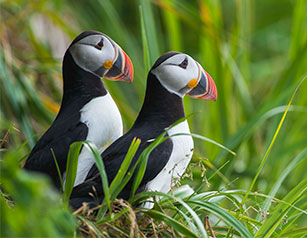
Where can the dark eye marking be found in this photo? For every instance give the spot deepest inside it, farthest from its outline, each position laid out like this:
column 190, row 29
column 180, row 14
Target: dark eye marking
column 184, row 63
column 99, row 45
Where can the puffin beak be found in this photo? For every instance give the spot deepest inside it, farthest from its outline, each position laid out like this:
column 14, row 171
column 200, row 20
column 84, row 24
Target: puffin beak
column 122, row 68
column 205, row 89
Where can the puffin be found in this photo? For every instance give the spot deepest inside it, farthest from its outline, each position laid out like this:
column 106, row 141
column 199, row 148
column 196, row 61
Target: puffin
column 87, row 110
column 172, row 76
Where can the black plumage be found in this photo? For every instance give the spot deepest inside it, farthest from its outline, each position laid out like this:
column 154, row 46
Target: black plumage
column 172, row 76
column 85, row 105
column 159, row 111
column 79, row 88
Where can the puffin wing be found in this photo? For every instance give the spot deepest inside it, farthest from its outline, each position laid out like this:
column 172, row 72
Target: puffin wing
column 58, row 137
column 91, row 189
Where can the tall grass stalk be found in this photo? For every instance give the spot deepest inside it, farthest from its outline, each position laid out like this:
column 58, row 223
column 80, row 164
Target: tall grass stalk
column 263, row 161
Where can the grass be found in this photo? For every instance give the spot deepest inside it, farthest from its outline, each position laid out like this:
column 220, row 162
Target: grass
column 256, row 51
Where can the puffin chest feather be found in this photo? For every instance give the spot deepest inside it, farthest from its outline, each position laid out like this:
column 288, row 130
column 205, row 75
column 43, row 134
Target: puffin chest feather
column 104, row 123
column 180, row 157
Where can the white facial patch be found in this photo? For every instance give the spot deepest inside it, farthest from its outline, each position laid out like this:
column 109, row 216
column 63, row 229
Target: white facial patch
column 89, row 57
column 173, row 77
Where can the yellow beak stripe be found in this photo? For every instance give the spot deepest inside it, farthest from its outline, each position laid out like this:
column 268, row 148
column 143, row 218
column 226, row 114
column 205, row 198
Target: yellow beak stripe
column 108, row 64
column 193, row 83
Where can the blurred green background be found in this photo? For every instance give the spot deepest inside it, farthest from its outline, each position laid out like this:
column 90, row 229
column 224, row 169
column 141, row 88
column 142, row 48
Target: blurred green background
column 256, row 52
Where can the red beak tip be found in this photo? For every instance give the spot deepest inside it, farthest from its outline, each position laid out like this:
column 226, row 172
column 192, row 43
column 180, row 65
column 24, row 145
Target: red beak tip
column 212, row 88
column 214, row 94
column 129, row 67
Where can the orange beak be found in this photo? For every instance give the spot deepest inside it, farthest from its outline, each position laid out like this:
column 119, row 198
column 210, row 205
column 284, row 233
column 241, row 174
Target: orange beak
column 122, row 68
column 205, row 88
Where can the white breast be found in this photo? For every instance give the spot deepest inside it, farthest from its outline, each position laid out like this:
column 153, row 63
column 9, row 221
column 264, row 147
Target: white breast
column 181, row 155
column 104, row 123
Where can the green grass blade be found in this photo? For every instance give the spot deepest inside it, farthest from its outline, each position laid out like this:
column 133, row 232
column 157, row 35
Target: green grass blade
column 144, row 43
column 239, row 80
column 183, row 191
column 246, row 219
column 187, row 219
column 145, row 195
column 99, row 163
column 245, row 132
column 280, row 211
column 92, row 226
column 113, row 217
column 213, row 194
column 177, row 226
column 224, row 215
column 150, row 30
column 17, row 98
column 145, row 154
column 122, row 177
column 291, row 221
column 33, row 97
column 72, row 165
column 71, row 169
column 58, row 169
column 299, row 232
column 298, row 34
column 272, row 143
column 124, row 167
column 298, row 159
column 143, row 162
column 126, row 179
column 206, row 139
column 173, row 27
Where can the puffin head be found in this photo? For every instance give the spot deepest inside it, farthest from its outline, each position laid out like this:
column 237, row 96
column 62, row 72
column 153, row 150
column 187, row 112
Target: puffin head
column 97, row 53
column 180, row 74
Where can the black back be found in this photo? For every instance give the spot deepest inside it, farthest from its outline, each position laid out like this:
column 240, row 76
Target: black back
column 160, row 110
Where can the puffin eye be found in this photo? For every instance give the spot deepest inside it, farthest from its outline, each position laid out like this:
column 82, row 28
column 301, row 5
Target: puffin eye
column 184, row 63
column 99, row 45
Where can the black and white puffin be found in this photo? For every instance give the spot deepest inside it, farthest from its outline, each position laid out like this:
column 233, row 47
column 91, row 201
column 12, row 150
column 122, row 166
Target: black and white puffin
column 87, row 111
column 172, row 76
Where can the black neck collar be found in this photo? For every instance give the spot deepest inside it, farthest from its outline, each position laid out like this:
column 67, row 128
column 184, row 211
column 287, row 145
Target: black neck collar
column 79, row 85
column 160, row 106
